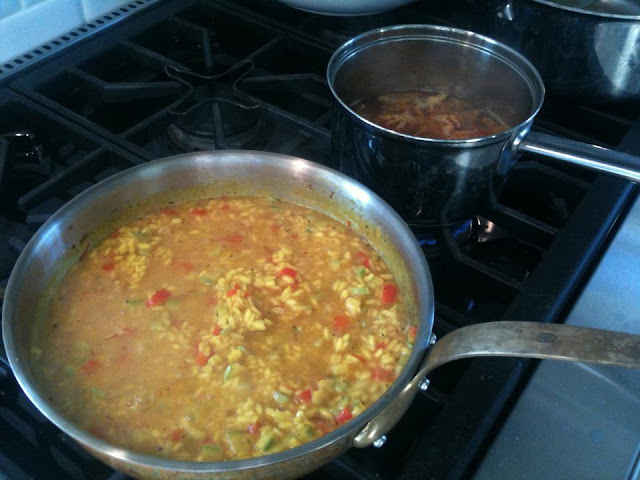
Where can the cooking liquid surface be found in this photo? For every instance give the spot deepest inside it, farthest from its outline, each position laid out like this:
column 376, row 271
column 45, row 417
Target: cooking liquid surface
column 223, row 329
column 429, row 114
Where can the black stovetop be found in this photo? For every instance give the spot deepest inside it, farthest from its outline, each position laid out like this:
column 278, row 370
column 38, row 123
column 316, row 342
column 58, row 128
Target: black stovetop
column 205, row 74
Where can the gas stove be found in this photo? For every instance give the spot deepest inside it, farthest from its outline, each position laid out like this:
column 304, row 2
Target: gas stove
column 214, row 74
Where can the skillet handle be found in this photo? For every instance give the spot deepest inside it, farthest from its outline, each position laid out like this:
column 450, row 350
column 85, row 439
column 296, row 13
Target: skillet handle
column 583, row 154
column 510, row 339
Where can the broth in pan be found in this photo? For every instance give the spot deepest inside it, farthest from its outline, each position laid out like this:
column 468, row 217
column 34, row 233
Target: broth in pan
column 223, row 329
column 428, row 114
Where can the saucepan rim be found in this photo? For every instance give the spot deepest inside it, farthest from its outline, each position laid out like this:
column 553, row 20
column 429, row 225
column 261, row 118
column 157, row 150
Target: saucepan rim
column 398, row 33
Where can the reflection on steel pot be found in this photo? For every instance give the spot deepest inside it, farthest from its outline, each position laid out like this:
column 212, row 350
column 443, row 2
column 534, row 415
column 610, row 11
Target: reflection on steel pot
column 434, row 182
column 64, row 238
column 589, row 54
column 346, row 8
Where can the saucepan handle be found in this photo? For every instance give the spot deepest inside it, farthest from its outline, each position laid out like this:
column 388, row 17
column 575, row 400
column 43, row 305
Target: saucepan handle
column 510, row 339
column 583, row 154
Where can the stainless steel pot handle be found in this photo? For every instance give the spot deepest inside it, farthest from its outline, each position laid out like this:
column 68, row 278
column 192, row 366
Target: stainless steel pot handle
column 582, row 154
column 510, row 339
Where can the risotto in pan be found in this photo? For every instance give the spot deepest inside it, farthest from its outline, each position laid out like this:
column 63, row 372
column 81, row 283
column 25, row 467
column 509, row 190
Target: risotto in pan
column 223, row 329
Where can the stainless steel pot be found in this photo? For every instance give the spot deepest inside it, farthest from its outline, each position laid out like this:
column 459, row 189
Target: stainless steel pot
column 587, row 51
column 434, row 182
column 346, row 8
column 72, row 230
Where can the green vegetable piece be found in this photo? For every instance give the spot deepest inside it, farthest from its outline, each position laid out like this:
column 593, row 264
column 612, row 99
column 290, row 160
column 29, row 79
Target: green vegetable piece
column 227, row 372
column 224, row 331
column 238, row 442
column 361, row 271
column 82, row 346
column 212, row 453
column 207, row 280
column 81, row 351
column 340, row 385
column 360, row 291
column 98, row 393
column 68, row 370
column 280, row 397
column 265, row 442
column 309, row 432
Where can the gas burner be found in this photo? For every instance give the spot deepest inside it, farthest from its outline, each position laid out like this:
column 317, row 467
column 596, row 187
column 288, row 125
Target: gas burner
column 218, row 123
column 435, row 240
column 214, row 114
column 23, row 165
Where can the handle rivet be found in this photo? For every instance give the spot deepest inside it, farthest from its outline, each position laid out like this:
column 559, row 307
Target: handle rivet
column 380, row 441
column 424, row 384
column 432, row 339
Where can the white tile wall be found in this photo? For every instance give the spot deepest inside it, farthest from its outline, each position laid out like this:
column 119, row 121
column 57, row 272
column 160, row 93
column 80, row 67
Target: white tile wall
column 27, row 24
column 96, row 8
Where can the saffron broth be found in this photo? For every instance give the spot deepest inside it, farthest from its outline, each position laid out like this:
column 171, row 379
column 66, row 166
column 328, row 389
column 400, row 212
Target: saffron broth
column 222, row 329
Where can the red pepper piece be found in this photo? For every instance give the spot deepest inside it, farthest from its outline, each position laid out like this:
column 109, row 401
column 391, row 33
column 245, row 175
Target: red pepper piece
column 382, row 375
column 199, row 211
column 232, row 291
column 341, row 322
column 170, row 211
column 201, row 359
column 305, row 395
column 216, row 330
column 176, row 435
column 158, row 298
column 381, row 345
column 254, row 428
column 363, row 258
column 389, row 293
column 360, row 357
column 90, row 366
column 109, row 267
column 237, row 238
column 413, row 330
column 186, row 266
column 344, row 416
column 287, row 272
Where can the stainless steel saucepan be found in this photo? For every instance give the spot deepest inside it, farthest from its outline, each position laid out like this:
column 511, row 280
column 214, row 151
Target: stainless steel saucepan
column 86, row 219
column 585, row 50
column 433, row 182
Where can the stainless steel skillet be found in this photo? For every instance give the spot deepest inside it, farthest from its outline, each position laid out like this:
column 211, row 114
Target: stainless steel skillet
column 80, row 224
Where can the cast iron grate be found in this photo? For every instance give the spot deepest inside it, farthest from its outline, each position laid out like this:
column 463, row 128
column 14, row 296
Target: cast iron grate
column 127, row 99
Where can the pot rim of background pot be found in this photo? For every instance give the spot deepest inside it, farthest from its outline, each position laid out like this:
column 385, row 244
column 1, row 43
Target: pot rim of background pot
column 607, row 13
column 523, row 69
